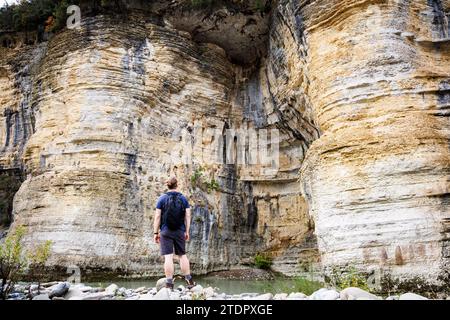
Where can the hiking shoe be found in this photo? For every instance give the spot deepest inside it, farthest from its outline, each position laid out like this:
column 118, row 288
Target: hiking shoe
column 169, row 286
column 190, row 283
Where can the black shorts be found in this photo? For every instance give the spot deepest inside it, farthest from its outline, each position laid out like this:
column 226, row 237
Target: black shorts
column 171, row 240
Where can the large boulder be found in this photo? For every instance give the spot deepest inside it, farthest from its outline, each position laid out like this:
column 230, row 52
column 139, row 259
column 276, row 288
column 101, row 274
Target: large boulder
column 161, row 283
column 296, row 296
column 112, row 289
column 314, row 295
column 163, row 294
column 353, row 293
column 411, row 296
column 325, row 294
column 197, row 289
column 59, row 290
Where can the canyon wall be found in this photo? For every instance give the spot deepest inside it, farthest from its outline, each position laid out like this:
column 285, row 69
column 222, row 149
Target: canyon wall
column 97, row 115
column 377, row 179
column 358, row 91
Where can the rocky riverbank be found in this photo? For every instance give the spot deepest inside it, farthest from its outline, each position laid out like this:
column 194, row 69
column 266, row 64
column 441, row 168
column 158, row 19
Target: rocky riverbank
column 67, row 291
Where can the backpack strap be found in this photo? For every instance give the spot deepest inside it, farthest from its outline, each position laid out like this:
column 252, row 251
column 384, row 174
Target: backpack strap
column 173, row 196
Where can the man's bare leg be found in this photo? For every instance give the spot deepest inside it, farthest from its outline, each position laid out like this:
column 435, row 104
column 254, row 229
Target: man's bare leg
column 184, row 265
column 186, row 270
column 169, row 268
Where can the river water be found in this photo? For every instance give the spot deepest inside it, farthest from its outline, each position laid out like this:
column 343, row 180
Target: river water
column 230, row 286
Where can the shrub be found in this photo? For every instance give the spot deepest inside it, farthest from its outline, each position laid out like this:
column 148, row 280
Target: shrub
column 198, row 296
column 37, row 258
column 212, row 185
column 302, row 284
column 60, row 16
column 32, row 14
column 342, row 278
column 27, row 15
column 262, row 261
column 196, row 177
column 15, row 260
column 198, row 180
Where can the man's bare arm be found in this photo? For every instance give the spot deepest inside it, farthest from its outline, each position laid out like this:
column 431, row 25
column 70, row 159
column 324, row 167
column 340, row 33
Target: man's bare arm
column 157, row 221
column 187, row 220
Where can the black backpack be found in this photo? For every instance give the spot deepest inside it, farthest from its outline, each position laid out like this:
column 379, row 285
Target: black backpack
column 174, row 211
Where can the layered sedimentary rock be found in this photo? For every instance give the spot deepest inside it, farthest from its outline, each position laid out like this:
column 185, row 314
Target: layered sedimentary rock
column 107, row 110
column 358, row 92
column 107, row 105
column 281, row 102
column 377, row 179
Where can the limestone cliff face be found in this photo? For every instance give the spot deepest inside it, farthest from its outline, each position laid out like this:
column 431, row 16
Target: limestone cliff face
column 377, row 179
column 106, row 111
column 357, row 90
column 106, row 106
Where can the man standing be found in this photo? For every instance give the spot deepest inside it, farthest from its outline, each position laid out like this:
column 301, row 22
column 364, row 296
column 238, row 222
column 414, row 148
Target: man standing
column 171, row 229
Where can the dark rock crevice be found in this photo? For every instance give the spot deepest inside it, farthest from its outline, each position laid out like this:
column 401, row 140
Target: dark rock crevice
column 10, row 182
column 440, row 24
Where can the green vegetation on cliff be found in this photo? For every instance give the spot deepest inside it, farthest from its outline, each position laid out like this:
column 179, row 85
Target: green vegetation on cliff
column 33, row 15
column 262, row 261
column 198, row 180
